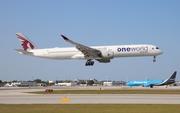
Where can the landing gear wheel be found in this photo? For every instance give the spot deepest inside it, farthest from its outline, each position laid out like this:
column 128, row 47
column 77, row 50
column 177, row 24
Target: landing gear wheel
column 89, row 63
column 154, row 60
column 92, row 63
column 151, row 86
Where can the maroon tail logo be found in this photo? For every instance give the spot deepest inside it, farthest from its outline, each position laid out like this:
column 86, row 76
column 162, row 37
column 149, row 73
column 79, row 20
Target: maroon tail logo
column 25, row 43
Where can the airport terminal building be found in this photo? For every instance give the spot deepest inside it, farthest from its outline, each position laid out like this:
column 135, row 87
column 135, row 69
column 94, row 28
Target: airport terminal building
column 114, row 83
column 66, row 84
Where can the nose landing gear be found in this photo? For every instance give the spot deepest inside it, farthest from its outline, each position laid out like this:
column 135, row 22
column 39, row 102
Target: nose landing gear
column 154, row 60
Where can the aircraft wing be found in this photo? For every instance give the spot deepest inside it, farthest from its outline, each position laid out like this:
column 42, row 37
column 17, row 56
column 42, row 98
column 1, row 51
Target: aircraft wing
column 147, row 85
column 87, row 51
column 164, row 82
column 153, row 84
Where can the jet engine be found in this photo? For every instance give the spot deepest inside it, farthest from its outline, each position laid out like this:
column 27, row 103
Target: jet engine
column 106, row 56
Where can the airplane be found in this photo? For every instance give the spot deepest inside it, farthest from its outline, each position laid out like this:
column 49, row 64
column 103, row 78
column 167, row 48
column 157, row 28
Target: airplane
column 103, row 54
column 151, row 83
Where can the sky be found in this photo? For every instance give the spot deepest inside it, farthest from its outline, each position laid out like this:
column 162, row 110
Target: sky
column 91, row 23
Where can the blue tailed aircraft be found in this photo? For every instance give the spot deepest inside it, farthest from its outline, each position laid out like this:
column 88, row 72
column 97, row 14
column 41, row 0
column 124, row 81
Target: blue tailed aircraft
column 151, row 83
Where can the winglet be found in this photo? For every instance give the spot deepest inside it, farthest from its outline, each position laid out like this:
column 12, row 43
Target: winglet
column 65, row 38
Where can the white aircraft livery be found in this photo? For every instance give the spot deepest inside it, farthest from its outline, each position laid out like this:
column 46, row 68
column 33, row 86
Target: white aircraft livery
column 103, row 54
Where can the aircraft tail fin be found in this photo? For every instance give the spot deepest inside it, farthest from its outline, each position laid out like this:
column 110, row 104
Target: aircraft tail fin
column 171, row 79
column 25, row 42
column 173, row 76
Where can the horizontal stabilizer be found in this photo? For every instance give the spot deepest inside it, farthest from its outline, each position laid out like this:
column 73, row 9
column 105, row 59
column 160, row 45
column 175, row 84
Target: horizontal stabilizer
column 23, row 52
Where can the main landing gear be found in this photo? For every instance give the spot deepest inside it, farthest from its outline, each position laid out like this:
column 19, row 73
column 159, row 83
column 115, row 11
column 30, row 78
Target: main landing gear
column 151, row 86
column 154, row 60
column 89, row 63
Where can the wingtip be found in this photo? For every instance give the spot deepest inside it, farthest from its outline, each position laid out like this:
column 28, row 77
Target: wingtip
column 19, row 34
column 64, row 37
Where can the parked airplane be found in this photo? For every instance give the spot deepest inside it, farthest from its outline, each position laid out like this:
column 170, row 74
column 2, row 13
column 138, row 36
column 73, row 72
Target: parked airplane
column 102, row 54
column 151, row 83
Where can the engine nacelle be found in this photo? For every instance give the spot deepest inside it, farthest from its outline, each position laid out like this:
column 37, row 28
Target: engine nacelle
column 107, row 54
column 104, row 60
column 146, row 85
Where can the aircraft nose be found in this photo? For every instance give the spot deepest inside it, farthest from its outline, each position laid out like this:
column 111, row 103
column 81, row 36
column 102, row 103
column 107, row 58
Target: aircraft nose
column 160, row 52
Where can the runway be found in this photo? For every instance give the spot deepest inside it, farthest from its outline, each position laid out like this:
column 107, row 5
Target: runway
column 17, row 96
column 91, row 99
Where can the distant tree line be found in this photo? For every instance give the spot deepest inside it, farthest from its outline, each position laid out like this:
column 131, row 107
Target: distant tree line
column 89, row 82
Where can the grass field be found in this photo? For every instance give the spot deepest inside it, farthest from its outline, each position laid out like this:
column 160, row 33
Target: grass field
column 89, row 108
column 110, row 92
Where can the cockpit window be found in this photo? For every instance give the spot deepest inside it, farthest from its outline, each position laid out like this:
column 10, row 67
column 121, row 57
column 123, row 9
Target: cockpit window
column 157, row 47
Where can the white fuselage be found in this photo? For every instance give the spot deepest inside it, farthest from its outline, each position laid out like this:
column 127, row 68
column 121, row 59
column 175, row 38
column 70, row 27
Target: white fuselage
column 117, row 50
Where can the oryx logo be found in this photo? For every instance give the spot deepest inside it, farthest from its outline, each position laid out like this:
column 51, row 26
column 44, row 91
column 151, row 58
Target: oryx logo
column 25, row 43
